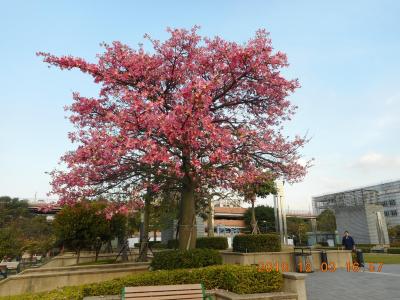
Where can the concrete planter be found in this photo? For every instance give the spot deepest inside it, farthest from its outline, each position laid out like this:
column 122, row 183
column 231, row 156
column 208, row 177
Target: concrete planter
column 285, row 258
column 69, row 259
column 47, row 279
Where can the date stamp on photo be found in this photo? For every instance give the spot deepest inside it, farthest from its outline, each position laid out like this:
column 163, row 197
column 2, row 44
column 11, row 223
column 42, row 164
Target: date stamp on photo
column 307, row 267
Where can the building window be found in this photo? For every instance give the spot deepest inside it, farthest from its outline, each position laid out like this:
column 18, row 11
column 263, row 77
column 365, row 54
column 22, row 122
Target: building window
column 386, row 214
column 393, row 213
column 392, row 202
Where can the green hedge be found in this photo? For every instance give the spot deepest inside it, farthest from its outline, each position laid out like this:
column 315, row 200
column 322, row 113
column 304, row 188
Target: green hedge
column 328, row 248
column 153, row 245
column 215, row 242
column 159, row 246
column 256, row 243
column 237, row 279
column 173, row 244
column 177, row 259
column 393, row 250
column 364, row 249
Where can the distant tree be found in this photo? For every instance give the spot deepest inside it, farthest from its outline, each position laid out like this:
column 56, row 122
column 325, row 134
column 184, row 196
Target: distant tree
column 260, row 186
column 81, row 226
column 12, row 209
column 297, row 228
column 119, row 227
column 37, row 235
column 10, row 243
column 326, row 221
column 21, row 230
column 265, row 217
column 394, row 233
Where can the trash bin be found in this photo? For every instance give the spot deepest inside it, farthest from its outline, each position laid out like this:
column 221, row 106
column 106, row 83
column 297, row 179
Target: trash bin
column 360, row 257
column 324, row 257
column 303, row 260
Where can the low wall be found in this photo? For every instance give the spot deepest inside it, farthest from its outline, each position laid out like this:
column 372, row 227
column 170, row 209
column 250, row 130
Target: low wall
column 69, row 259
column 295, row 283
column 338, row 257
column 40, row 280
column 72, row 269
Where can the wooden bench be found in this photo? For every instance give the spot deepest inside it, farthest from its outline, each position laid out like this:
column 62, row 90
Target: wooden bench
column 6, row 267
column 3, row 270
column 13, row 266
column 166, row 292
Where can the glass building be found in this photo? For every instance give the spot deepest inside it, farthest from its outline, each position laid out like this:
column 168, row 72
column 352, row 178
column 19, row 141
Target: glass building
column 386, row 194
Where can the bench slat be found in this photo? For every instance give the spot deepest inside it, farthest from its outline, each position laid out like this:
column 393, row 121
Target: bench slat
column 164, row 293
column 154, row 288
column 172, row 297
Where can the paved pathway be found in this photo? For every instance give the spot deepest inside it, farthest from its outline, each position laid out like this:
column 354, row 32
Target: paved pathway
column 384, row 285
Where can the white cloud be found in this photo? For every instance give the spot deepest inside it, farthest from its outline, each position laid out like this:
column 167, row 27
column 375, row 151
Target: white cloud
column 377, row 160
column 393, row 99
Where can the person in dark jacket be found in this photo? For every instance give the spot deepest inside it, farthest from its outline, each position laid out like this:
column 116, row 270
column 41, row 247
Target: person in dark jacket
column 348, row 242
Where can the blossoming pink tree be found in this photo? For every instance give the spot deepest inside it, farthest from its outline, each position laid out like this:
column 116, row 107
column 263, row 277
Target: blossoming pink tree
column 193, row 110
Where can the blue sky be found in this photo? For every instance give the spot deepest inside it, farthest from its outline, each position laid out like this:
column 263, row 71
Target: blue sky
column 345, row 54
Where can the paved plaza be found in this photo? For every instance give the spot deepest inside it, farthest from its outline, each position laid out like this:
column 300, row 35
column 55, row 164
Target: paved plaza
column 349, row 285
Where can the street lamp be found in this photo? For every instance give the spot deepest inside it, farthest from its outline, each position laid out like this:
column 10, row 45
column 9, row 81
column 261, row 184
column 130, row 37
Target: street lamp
column 265, row 224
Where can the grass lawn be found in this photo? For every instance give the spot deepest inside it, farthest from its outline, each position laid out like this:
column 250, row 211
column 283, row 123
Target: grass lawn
column 382, row 258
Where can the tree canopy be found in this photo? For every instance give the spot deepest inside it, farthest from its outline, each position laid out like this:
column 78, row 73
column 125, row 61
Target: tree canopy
column 21, row 230
column 194, row 111
column 264, row 216
column 326, row 221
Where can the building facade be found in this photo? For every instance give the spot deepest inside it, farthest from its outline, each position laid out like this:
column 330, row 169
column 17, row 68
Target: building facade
column 366, row 223
column 386, row 194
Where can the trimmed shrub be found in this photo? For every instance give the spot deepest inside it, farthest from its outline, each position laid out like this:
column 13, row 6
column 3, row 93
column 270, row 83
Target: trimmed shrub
column 364, row 249
column 237, row 279
column 256, row 243
column 327, row 248
column 365, row 245
column 177, row 259
column 215, row 242
column 152, row 244
column 173, row 244
column 158, row 246
column 395, row 244
column 393, row 250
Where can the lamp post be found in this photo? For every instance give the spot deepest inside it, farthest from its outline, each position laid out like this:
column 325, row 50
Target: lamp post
column 265, row 225
column 280, row 213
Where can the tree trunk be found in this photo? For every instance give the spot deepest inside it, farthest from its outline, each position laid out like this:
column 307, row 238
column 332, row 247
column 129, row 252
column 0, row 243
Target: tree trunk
column 98, row 248
column 210, row 221
column 144, row 245
column 254, row 226
column 187, row 226
column 109, row 248
column 78, row 255
column 155, row 235
column 122, row 248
